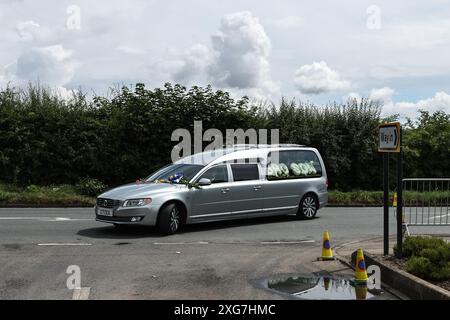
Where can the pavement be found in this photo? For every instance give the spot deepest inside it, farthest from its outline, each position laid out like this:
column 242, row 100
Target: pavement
column 219, row 260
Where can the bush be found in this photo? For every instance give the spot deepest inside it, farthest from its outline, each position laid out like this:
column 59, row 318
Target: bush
column 32, row 188
column 5, row 195
column 441, row 274
column 429, row 258
column 413, row 246
column 427, row 269
column 90, row 187
column 419, row 266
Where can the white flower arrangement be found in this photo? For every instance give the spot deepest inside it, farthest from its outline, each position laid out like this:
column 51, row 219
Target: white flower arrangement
column 298, row 169
column 295, row 169
column 284, row 170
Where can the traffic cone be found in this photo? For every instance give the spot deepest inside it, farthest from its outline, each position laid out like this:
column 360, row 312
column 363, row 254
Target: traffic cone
column 360, row 267
column 361, row 291
column 327, row 254
column 326, row 283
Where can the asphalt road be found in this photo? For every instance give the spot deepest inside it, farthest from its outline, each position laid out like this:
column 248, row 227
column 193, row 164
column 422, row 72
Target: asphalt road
column 223, row 260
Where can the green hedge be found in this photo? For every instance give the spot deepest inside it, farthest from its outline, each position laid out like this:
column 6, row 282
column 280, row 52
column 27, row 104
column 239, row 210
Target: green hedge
column 45, row 139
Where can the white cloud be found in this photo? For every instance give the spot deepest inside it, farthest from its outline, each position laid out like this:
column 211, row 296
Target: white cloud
column 194, row 64
column 318, row 78
column 52, row 65
column 64, row 93
column 237, row 59
column 246, row 55
column 3, row 80
column 130, row 50
column 288, row 22
column 440, row 101
column 27, row 29
column 382, row 95
column 242, row 48
column 352, row 96
column 33, row 31
column 39, row 58
column 405, row 109
column 414, row 35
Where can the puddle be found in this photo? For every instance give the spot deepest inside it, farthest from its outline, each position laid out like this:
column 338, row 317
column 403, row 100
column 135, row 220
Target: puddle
column 322, row 288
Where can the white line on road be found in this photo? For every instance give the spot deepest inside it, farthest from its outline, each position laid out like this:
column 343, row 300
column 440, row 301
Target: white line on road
column 441, row 216
column 81, row 293
column 178, row 243
column 287, row 242
column 65, row 244
column 47, row 219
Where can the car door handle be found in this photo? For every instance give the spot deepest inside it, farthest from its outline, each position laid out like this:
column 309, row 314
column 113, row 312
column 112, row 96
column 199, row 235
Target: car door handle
column 225, row 190
column 256, row 188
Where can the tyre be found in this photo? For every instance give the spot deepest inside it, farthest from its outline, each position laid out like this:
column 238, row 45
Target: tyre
column 170, row 219
column 308, row 207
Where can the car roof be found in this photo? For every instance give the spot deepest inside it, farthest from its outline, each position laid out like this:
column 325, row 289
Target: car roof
column 234, row 152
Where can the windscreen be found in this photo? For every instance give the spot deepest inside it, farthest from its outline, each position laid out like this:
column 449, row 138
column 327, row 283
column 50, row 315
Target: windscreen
column 174, row 173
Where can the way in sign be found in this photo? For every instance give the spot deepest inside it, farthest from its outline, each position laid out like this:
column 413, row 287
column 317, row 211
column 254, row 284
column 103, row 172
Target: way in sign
column 389, row 137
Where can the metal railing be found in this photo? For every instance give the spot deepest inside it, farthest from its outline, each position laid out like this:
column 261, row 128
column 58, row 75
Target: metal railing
column 426, row 202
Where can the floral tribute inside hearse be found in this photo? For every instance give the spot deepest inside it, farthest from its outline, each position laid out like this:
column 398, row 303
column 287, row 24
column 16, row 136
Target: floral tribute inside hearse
column 293, row 165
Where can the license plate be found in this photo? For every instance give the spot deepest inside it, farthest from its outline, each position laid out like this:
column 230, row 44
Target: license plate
column 105, row 212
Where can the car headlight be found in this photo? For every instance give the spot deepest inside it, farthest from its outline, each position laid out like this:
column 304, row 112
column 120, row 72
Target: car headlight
column 136, row 202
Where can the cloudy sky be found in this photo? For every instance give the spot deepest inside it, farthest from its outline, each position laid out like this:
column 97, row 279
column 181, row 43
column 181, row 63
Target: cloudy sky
column 397, row 53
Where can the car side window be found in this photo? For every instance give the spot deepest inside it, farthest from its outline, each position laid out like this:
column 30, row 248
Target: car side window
column 216, row 174
column 293, row 164
column 244, row 172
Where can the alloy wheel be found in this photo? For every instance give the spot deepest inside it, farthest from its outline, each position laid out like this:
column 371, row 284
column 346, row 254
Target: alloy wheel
column 175, row 219
column 309, row 207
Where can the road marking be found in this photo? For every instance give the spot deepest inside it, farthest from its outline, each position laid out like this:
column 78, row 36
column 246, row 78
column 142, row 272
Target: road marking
column 178, row 243
column 81, row 293
column 65, row 244
column 441, row 216
column 287, row 242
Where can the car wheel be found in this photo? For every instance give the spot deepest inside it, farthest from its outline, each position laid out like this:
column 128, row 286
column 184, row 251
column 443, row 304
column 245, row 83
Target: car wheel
column 170, row 219
column 308, row 207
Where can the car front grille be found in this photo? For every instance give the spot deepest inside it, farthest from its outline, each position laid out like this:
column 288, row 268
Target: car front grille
column 108, row 203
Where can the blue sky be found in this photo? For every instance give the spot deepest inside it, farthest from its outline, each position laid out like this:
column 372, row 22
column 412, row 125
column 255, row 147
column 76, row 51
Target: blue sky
column 394, row 52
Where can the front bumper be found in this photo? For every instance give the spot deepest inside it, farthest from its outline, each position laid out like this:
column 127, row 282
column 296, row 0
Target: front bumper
column 145, row 215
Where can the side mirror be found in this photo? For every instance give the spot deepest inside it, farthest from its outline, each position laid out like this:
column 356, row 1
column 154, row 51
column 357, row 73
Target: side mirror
column 204, row 182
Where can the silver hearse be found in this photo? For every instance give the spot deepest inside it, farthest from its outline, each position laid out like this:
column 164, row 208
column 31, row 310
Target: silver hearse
column 242, row 181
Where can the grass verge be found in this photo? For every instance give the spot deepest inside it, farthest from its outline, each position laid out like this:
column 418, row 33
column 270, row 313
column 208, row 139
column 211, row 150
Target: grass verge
column 375, row 198
column 68, row 195
column 61, row 195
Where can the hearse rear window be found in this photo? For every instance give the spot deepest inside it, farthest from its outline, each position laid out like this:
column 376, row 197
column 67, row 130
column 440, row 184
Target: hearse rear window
column 293, row 164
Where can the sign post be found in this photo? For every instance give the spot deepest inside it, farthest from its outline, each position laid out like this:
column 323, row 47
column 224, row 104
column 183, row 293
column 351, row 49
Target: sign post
column 386, row 203
column 400, row 200
column 389, row 140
